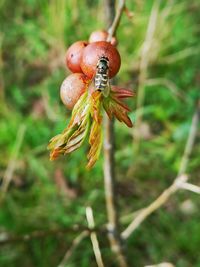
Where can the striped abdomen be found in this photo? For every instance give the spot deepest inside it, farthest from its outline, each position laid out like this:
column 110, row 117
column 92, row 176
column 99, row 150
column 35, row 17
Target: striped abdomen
column 101, row 81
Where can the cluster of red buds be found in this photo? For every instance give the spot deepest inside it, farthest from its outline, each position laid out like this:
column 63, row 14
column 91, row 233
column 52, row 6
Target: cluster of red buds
column 88, row 91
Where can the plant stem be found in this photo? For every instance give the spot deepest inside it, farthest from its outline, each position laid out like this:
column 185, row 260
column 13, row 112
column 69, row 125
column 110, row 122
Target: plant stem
column 93, row 237
column 74, row 245
column 156, row 204
column 190, row 141
column 144, row 63
column 109, row 162
column 40, row 234
column 179, row 181
column 8, row 176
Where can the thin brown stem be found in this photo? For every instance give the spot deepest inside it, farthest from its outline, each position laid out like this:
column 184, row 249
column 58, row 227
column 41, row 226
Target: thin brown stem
column 12, row 164
column 109, row 163
column 75, row 244
column 39, row 234
column 163, row 264
column 93, row 237
column 190, row 187
column 143, row 66
column 190, row 141
column 152, row 207
column 176, row 92
column 180, row 181
column 112, row 30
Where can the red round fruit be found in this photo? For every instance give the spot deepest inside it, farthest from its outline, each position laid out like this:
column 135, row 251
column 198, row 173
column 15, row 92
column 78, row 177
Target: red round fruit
column 101, row 35
column 74, row 55
column 93, row 52
column 72, row 88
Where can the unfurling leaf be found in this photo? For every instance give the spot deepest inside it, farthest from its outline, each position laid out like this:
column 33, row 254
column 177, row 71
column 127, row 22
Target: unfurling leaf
column 114, row 106
column 121, row 92
column 75, row 133
column 95, row 138
column 87, row 118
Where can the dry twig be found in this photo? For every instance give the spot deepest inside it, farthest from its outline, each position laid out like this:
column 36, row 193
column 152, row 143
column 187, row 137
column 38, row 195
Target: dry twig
column 180, row 55
column 93, row 236
column 113, row 28
column 6, row 238
column 190, row 141
column 74, row 245
column 109, row 175
column 179, row 182
column 153, row 206
column 13, row 160
column 144, row 63
column 190, row 187
column 169, row 85
column 163, row 264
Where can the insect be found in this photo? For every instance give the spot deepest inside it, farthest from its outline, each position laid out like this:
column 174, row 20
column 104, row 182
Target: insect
column 101, row 80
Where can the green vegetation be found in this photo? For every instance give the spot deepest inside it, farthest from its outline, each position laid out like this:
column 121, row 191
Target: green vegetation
column 44, row 195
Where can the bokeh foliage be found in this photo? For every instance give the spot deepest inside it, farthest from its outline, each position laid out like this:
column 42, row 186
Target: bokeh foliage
column 44, row 195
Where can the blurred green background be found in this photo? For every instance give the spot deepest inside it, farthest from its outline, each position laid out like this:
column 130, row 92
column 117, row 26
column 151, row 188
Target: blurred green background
column 42, row 195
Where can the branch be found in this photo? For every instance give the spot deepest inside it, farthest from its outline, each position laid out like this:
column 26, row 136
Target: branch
column 170, row 85
column 153, row 206
column 144, row 63
column 180, row 55
column 8, row 176
column 190, row 187
column 190, row 141
column 164, row 264
column 109, row 164
column 179, row 182
column 51, row 232
column 93, row 236
column 112, row 30
column 74, row 245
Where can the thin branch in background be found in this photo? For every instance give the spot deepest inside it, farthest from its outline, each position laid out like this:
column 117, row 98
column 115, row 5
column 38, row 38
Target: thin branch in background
column 109, row 164
column 144, row 63
column 2, row 83
column 190, row 141
column 50, row 113
column 129, row 217
column 6, row 238
column 12, row 164
column 170, row 59
column 169, row 85
column 93, row 236
column 74, row 245
column 153, row 207
column 113, row 28
column 180, row 181
column 190, row 187
column 181, row 55
column 163, row 264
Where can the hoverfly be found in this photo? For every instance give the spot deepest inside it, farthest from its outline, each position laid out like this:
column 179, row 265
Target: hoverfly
column 101, row 79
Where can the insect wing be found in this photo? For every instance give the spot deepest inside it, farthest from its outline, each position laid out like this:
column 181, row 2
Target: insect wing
column 107, row 89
